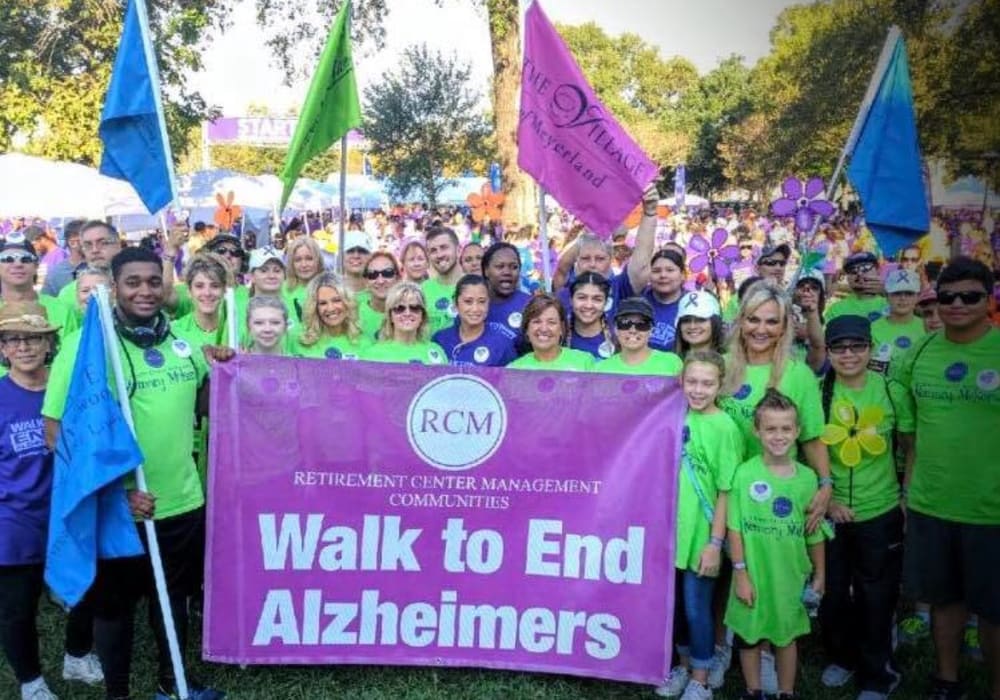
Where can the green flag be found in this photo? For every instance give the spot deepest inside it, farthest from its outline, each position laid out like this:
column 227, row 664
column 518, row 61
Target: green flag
column 331, row 108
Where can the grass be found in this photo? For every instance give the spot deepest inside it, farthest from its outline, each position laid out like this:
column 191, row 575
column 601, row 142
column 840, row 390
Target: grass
column 399, row 683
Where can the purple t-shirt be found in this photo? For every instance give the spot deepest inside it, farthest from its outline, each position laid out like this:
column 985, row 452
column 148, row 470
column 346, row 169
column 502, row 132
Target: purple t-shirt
column 25, row 476
column 508, row 311
column 494, row 348
column 598, row 345
column 665, row 323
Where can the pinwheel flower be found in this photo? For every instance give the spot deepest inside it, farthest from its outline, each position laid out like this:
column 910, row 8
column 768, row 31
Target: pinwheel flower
column 856, row 433
column 714, row 255
column 803, row 201
column 486, row 205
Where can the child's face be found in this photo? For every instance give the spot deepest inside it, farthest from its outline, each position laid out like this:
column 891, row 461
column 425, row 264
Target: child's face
column 778, row 431
column 701, row 385
column 267, row 327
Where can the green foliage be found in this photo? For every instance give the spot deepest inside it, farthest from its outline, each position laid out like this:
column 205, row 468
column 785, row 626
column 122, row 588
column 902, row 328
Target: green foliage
column 422, row 118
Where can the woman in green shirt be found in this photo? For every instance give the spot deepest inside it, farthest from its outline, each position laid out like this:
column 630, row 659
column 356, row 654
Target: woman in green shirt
column 634, row 319
column 305, row 262
column 544, row 326
column 864, row 562
column 381, row 273
column 404, row 332
column 207, row 276
column 329, row 321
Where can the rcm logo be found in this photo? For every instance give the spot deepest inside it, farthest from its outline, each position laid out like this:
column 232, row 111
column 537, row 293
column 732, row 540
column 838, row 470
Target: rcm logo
column 456, row 422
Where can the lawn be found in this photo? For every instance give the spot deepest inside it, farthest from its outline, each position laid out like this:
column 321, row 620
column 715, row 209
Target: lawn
column 389, row 683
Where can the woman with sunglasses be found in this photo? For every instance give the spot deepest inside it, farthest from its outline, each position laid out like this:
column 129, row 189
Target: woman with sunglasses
column 472, row 339
column 634, row 319
column 381, row 273
column 330, row 322
column 666, row 284
column 699, row 324
column 404, row 332
column 305, row 262
column 501, row 266
column 544, row 327
column 589, row 295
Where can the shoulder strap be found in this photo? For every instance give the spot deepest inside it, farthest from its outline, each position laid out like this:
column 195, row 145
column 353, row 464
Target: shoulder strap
column 707, row 508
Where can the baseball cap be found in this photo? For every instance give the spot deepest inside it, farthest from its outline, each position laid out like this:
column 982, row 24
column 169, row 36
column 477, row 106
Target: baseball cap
column 862, row 258
column 259, row 256
column 636, row 306
column 699, row 304
column 16, row 241
column 902, row 281
column 770, row 250
column 848, row 327
column 221, row 240
column 356, row 239
column 812, row 276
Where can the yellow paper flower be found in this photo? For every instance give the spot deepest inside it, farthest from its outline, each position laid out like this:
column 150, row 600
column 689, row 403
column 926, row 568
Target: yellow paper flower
column 854, row 432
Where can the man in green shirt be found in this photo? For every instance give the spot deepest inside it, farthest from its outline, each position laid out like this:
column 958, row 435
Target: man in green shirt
column 164, row 374
column 866, row 297
column 442, row 250
column 952, row 553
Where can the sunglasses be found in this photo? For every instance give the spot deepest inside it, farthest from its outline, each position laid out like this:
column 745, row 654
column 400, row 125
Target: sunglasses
column 232, row 252
column 627, row 324
column 861, row 269
column 773, row 263
column 855, row 348
column 23, row 258
column 911, row 260
column 968, row 298
column 746, row 247
column 412, row 308
column 388, row 273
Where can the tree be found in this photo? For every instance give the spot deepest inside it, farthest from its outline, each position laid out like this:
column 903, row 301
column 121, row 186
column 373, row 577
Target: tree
column 422, row 117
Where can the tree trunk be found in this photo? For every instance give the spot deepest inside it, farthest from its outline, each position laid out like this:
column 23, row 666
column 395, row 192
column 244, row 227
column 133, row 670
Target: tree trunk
column 504, row 19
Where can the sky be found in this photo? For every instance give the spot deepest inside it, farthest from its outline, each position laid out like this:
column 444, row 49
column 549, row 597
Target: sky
column 238, row 70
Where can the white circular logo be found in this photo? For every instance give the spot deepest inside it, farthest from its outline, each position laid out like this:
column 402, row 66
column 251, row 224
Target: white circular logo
column 884, row 353
column 988, row 379
column 760, row 491
column 181, row 348
column 481, row 354
column 608, row 304
column 456, row 422
column 606, row 350
column 514, row 320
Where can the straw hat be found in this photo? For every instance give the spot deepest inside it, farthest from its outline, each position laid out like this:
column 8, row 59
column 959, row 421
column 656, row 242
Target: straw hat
column 25, row 317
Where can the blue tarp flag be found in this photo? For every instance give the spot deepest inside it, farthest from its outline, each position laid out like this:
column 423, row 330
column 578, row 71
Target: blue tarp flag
column 132, row 127
column 89, row 518
column 886, row 168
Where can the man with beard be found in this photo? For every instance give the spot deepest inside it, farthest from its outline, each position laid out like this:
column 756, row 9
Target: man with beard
column 439, row 290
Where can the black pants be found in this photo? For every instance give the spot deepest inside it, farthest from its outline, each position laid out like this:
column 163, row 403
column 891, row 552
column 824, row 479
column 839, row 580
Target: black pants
column 20, row 589
column 122, row 583
column 863, row 571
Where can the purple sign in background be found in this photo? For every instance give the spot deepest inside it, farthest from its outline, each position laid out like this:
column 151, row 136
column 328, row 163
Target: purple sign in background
column 402, row 514
column 261, row 131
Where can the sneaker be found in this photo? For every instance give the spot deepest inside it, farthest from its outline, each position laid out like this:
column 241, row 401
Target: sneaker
column 86, row 669
column 195, row 692
column 674, row 685
column 754, row 695
column 37, row 690
column 835, row 676
column 721, row 661
column 970, row 643
column 945, row 690
column 696, row 691
column 913, row 629
column 768, row 673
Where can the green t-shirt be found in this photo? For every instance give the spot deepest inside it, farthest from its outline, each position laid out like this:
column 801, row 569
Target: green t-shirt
column 369, row 319
column 569, row 360
column 731, row 310
column 872, row 308
column 67, row 295
column 420, row 353
column 335, row 348
column 292, row 297
column 797, row 383
column 659, row 363
column 188, row 327
column 859, row 440
column 892, row 340
column 164, row 381
column 189, row 330
column 185, row 304
column 440, row 309
column 770, row 513
column 954, row 390
column 714, row 447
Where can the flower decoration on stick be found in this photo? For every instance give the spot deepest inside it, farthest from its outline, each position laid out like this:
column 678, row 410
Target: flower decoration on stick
column 712, row 254
column 227, row 213
column 486, row 205
column 803, row 200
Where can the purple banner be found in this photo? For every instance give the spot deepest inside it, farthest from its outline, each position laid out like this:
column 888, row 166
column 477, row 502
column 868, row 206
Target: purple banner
column 276, row 131
column 568, row 140
column 401, row 514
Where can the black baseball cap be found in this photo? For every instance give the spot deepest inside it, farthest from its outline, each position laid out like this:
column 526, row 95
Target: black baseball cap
column 848, row 327
column 770, row 250
column 862, row 258
column 635, row 306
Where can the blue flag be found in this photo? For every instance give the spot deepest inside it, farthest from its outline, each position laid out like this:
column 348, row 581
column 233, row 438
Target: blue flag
column 89, row 517
column 885, row 166
column 132, row 127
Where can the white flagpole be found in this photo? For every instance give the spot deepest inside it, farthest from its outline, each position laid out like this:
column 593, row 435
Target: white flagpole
column 543, row 240
column 111, row 351
column 231, row 321
column 343, row 203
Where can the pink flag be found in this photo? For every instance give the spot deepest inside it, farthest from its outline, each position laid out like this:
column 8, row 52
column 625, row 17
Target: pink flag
column 568, row 141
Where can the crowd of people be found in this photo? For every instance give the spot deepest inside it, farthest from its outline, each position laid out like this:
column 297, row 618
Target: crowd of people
column 839, row 447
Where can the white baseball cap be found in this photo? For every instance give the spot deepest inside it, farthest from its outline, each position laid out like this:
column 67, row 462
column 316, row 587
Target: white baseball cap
column 357, row 239
column 813, row 275
column 260, row 256
column 700, row 304
column 902, row 281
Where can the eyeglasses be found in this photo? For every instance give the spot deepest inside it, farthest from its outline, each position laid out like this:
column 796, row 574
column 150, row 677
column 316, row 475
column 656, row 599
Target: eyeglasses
column 31, row 341
column 626, row 324
column 968, row 298
column 412, row 308
column 773, row 263
column 98, row 244
column 861, row 269
column 855, row 348
column 23, row 258
column 746, row 247
column 387, row 273
column 231, row 252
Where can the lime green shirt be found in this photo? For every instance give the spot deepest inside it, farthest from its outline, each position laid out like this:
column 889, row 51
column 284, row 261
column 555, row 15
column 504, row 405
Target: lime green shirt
column 658, row 363
column 714, row 447
column 165, row 380
column 369, row 319
column 420, row 353
column 292, row 297
column 769, row 512
column 859, row 438
column 335, row 348
column 67, row 295
column 440, row 309
column 872, row 308
column 892, row 340
column 954, row 393
column 568, row 360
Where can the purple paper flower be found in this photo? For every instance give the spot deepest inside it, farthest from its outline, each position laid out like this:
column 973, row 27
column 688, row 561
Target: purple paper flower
column 805, row 202
column 703, row 253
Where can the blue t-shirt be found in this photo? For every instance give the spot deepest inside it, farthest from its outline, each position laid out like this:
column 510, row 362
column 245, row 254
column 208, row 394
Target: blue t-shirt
column 494, row 348
column 507, row 312
column 597, row 345
column 665, row 322
column 25, row 476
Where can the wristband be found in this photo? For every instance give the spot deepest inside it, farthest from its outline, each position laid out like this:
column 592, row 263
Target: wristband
column 825, row 481
column 740, row 565
column 716, row 541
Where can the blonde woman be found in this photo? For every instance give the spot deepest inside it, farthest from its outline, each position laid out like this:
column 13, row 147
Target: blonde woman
column 404, row 332
column 381, row 273
column 330, row 321
column 267, row 326
column 304, row 262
